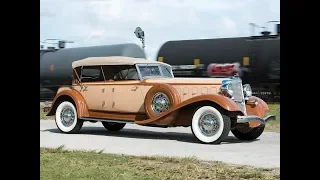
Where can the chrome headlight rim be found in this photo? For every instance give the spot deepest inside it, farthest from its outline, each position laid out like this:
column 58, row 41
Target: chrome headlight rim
column 247, row 90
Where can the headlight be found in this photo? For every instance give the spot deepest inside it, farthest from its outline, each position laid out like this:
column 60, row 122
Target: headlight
column 247, row 90
column 226, row 87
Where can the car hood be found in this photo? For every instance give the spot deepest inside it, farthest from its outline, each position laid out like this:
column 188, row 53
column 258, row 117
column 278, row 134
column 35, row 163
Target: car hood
column 195, row 81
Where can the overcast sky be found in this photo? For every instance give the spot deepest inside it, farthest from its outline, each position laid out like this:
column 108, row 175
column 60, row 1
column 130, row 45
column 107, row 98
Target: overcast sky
column 104, row 22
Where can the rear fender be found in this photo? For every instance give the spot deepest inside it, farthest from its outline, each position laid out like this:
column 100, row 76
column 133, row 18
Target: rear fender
column 70, row 95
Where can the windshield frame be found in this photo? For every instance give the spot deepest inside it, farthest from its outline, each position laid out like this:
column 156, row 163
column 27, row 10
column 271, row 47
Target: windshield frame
column 140, row 65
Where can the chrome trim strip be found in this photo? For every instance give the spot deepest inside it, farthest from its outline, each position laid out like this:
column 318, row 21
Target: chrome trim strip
column 139, row 73
column 106, row 120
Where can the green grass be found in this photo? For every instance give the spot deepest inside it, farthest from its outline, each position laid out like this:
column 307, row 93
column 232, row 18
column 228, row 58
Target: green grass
column 78, row 165
column 272, row 126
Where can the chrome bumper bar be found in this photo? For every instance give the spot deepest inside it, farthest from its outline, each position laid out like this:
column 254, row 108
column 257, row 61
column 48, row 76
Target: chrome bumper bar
column 246, row 119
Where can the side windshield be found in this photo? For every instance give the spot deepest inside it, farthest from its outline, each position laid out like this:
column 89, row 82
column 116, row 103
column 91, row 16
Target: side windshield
column 149, row 70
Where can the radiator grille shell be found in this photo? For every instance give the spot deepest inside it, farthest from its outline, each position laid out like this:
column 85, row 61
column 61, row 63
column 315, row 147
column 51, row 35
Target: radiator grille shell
column 238, row 95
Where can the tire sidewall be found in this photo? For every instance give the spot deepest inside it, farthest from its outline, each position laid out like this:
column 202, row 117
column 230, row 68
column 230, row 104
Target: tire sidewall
column 113, row 127
column 249, row 136
column 196, row 129
column 58, row 117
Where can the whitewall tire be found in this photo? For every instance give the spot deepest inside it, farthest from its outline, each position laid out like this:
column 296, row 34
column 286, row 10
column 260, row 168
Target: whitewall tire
column 66, row 118
column 209, row 125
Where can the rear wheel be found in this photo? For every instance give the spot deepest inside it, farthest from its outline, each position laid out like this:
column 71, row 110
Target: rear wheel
column 66, row 118
column 209, row 125
column 111, row 126
column 248, row 134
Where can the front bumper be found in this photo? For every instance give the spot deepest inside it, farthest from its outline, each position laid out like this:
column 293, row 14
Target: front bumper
column 247, row 119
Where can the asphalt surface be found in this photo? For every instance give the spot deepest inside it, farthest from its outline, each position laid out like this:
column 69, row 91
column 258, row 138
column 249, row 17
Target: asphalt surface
column 140, row 140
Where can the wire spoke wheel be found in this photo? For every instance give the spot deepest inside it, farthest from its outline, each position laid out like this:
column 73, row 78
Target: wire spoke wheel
column 160, row 103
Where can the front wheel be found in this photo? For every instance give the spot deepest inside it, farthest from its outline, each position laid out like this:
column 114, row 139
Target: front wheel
column 248, row 134
column 111, row 126
column 66, row 118
column 209, row 125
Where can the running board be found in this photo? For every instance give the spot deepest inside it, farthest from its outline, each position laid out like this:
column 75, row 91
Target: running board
column 107, row 120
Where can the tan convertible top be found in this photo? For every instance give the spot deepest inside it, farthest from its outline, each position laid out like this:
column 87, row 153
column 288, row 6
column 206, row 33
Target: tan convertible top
column 112, row 60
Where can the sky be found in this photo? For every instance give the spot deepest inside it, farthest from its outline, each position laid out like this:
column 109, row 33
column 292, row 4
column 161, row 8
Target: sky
column 106, row 22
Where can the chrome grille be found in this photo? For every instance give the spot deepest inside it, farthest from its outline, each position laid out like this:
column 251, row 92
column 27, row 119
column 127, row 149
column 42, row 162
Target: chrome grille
column 238, row 95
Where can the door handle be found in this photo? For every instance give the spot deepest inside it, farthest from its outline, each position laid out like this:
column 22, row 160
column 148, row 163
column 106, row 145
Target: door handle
column 134, row 88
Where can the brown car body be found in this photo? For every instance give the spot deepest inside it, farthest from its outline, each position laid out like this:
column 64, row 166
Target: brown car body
column 118, row 99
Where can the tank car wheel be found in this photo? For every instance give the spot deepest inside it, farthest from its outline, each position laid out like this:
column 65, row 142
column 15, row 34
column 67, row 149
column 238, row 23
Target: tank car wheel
column 111, row 126
column 209, row 125
column 66, row 118
column 249, row 134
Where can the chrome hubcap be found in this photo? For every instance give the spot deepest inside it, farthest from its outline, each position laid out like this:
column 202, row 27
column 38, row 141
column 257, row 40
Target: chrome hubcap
column 160, row 103
column 208, row 124
column 67, row 116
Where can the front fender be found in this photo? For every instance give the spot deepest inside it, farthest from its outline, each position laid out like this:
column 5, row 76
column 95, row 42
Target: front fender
column 256, row 106
column 224, row 102
column 75, row 96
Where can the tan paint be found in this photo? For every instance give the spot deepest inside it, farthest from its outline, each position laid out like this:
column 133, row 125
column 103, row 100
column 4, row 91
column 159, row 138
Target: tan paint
column 95, row 97
column 128, row 98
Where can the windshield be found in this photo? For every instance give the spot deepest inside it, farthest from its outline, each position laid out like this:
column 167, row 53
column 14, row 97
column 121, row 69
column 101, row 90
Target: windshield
column 155, row 70
column 166, row 71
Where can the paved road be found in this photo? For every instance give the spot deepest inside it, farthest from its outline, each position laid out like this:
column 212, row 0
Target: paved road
column 139, row 140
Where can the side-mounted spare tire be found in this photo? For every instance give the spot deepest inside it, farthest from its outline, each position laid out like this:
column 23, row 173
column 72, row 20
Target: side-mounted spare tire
column 160, row 98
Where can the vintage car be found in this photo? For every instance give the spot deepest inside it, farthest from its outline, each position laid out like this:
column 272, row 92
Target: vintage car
column 119, row 90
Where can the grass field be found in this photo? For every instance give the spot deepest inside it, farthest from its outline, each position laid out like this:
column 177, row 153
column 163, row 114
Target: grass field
column 272, row 126
column 77, row 165
column 43, row 114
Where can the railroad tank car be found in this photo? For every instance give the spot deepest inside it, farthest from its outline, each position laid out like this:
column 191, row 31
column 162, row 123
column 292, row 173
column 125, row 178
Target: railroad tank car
column 258, row 58
column 55, row 65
